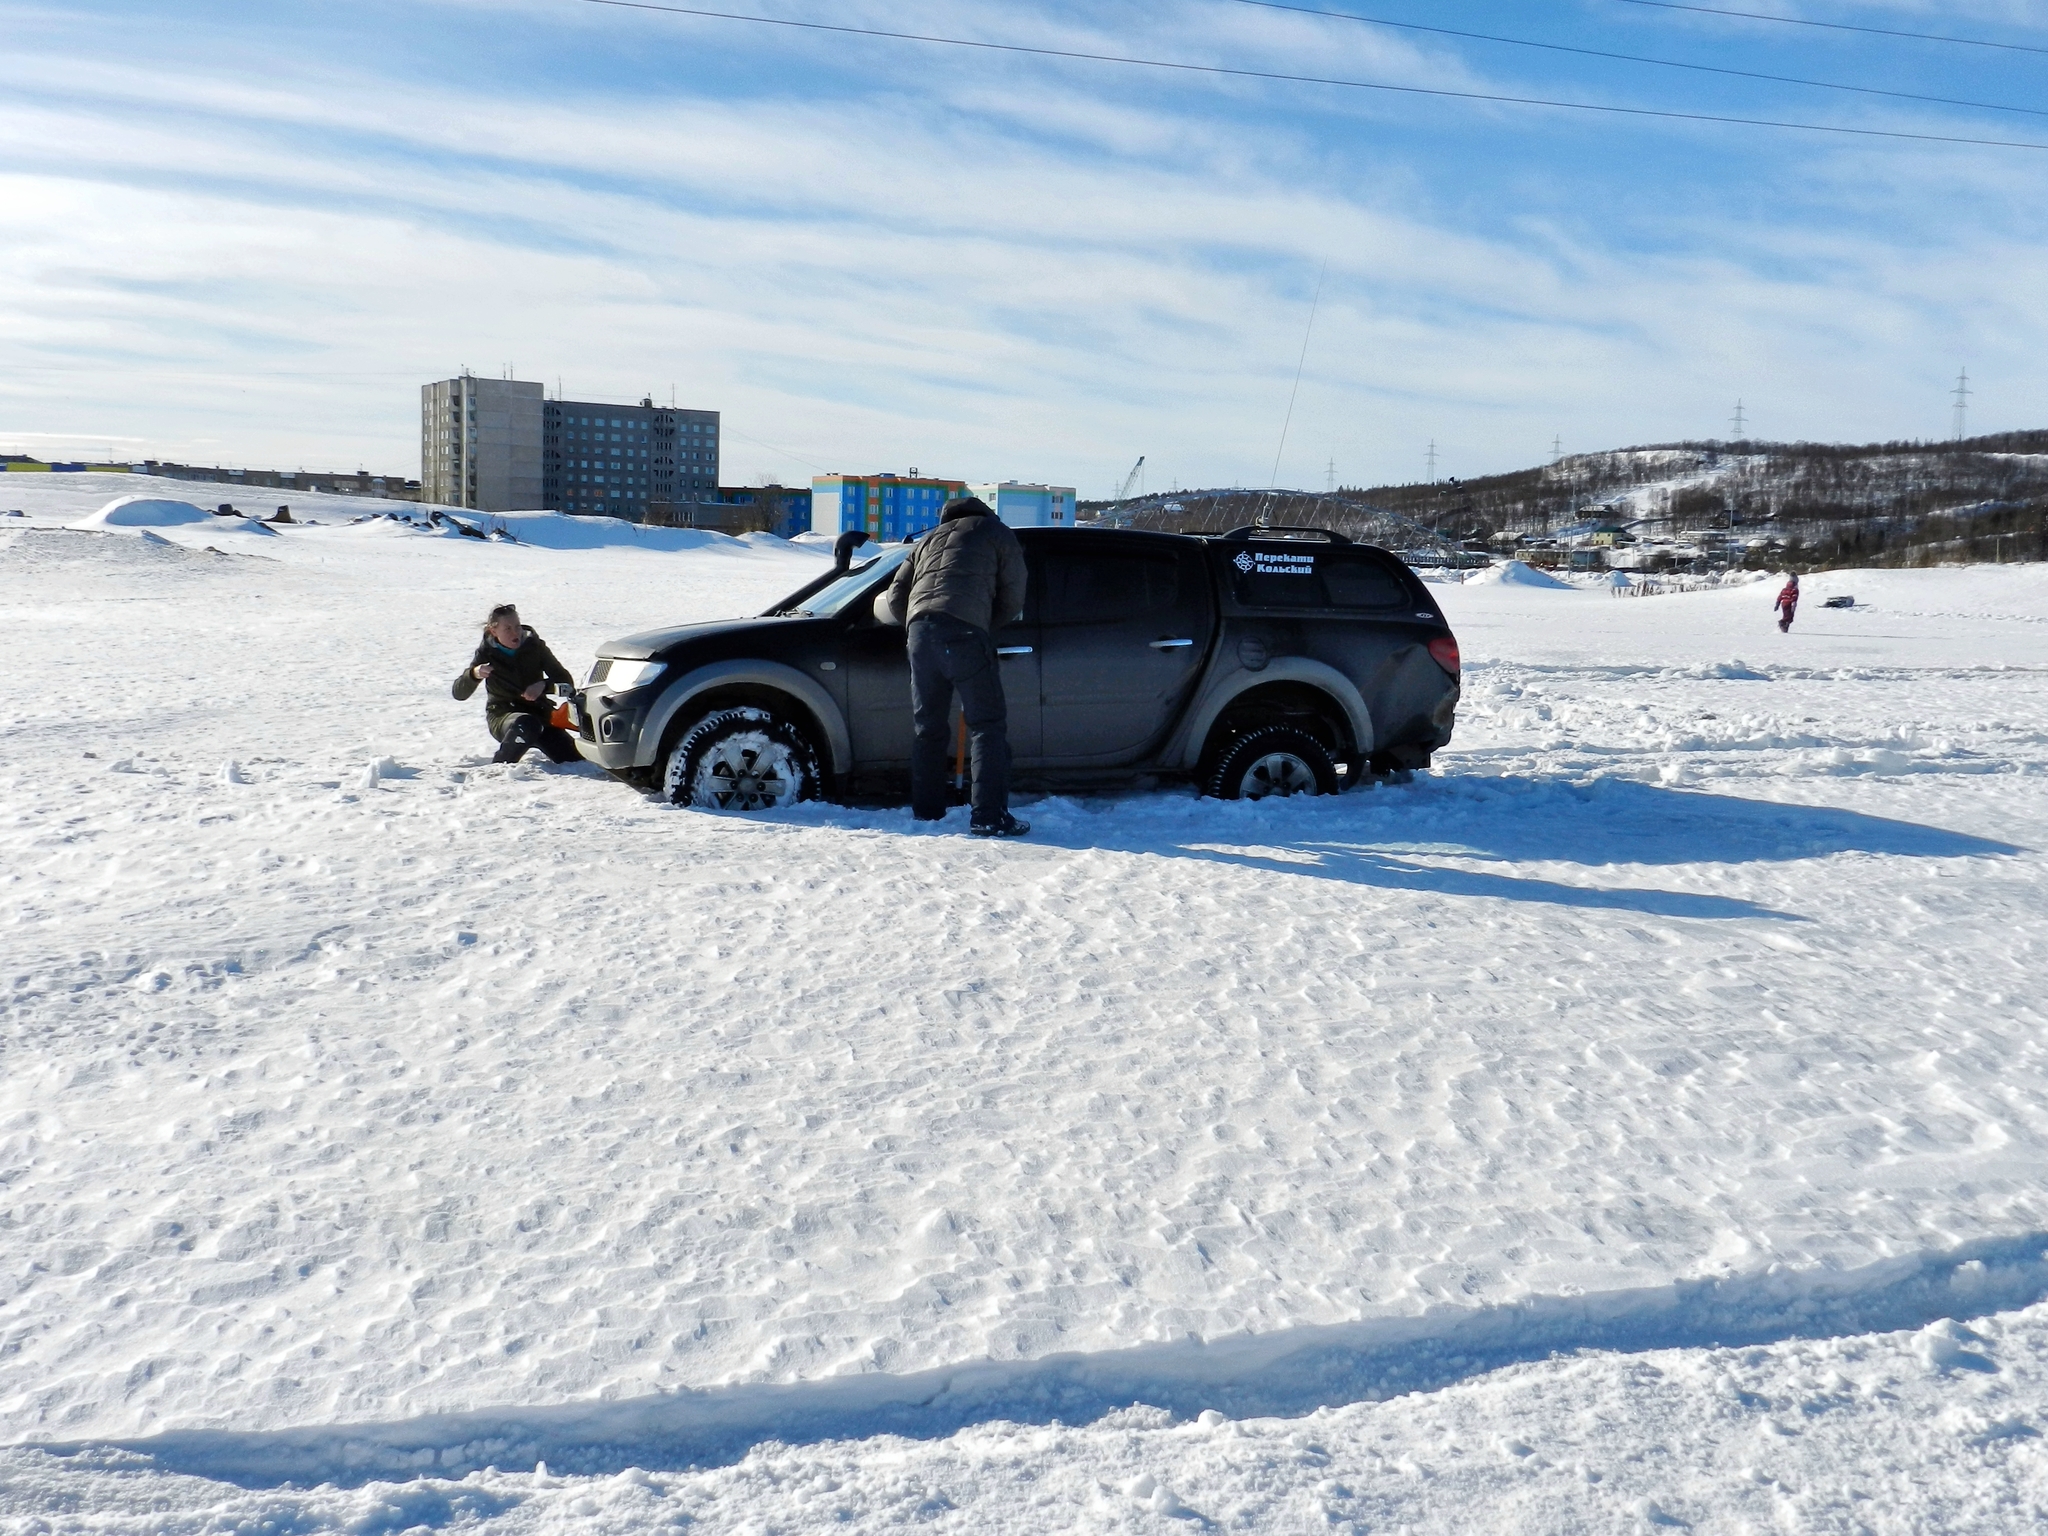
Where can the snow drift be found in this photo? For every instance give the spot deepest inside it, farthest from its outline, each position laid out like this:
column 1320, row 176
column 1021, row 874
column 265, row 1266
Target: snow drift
column 559, row 531
column 144, row 512
column 248, row 527
column 1519, row 573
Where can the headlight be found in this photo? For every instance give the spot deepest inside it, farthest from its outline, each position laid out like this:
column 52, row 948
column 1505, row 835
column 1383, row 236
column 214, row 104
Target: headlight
column 622, row 675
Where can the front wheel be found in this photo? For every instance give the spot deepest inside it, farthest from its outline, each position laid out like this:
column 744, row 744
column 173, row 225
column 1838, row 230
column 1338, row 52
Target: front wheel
column 741, row 759
column 1272, row 760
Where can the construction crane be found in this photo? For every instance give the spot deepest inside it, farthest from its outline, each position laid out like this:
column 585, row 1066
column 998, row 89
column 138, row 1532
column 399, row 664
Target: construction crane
column 1115, row 518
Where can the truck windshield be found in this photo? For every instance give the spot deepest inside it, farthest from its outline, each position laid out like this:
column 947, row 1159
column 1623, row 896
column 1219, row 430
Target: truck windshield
column 861, row 580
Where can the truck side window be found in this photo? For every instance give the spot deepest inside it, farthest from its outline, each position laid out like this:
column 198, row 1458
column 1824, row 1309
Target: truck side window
column 1110, row 588
column 1355, row 579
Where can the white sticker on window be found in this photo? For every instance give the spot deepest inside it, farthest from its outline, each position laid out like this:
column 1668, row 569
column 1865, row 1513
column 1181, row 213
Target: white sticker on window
column 1270, row 564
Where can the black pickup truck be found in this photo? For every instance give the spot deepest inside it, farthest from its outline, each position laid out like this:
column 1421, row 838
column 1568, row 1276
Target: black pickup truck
column 1265, row 661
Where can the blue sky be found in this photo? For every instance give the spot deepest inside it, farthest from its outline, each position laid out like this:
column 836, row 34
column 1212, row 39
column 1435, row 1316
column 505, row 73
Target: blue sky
column 246, row 233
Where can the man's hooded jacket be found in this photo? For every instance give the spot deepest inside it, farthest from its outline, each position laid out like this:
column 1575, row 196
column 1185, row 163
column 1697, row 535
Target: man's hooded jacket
column 970, row 566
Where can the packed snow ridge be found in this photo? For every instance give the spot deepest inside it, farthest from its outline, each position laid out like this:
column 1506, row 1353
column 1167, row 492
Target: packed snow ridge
column 1291, row 1373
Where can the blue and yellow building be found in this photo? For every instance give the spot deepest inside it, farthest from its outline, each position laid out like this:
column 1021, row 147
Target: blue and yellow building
column 889, row 508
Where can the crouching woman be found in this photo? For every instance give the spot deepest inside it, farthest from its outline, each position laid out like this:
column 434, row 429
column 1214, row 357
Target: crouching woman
column 515, row 666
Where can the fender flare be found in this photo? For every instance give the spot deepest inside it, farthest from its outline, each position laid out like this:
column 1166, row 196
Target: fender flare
column 676, row 697
column 1186, row 748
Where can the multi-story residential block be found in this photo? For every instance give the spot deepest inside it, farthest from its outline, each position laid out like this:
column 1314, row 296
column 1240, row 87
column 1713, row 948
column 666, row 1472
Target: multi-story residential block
column 498, row 445
column 642, row 462
column 480, row 444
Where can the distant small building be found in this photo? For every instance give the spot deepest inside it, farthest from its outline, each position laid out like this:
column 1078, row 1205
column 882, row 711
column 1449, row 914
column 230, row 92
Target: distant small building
column 786, row 508
column 890, row 508
column 782, row 510
column 337, row 483
column 22, row 464
column 1029, row 506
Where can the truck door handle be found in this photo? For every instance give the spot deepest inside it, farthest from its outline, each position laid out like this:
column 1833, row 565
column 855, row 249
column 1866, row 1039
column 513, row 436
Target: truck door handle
column 1170, row 645
column 1013, row 650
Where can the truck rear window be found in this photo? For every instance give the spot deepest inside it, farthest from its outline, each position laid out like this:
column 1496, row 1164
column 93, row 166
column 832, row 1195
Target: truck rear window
column 1265, row 576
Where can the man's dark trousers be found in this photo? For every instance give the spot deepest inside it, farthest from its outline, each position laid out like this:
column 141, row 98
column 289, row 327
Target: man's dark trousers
column 947, row 654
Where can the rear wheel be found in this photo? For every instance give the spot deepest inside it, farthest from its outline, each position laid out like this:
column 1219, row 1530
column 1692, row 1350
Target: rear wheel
column 741, row 759
column 1272, row 760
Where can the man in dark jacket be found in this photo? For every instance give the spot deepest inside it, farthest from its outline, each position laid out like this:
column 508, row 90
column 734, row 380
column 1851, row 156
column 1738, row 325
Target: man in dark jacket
column 962, row 580
column 515, row 666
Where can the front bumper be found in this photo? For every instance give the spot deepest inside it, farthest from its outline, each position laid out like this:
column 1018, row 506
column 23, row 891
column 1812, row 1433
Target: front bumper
column 611, row 759
column 607, row 727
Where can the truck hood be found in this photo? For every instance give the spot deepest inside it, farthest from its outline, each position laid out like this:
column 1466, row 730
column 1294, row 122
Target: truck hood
column 660, row 642
column 655, row 642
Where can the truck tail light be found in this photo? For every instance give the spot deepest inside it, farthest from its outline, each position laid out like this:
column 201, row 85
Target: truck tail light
column 1444, row 650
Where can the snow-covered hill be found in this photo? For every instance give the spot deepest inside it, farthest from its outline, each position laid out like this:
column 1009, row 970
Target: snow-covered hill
column 1809, row 505
column 1804, row 506
column 379, row 1118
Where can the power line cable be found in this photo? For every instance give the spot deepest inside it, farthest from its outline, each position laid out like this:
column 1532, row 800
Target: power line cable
column 1278, row 77
column 775, row 448
column 1633, row 58
column 1839, row 26
column 1300, row 363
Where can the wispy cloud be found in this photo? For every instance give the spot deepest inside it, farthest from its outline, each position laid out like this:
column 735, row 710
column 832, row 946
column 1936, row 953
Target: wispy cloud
column 870, row 256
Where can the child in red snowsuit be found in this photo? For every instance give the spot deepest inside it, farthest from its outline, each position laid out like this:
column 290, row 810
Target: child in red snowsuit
column 1787, row 604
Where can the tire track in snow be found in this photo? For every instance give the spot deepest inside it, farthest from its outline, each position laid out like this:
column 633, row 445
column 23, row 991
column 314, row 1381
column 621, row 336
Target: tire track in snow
column 1288, row 1373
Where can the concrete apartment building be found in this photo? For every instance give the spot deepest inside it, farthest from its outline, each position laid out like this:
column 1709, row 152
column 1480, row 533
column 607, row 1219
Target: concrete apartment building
column 645, row 462
column 480, row 444
column 499, row 445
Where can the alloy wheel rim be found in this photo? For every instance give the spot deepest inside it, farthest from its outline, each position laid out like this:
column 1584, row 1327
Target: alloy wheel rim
column 746, row 774
column 1277, row 773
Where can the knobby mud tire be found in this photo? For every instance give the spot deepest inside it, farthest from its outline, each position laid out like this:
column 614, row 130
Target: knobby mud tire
column 1272, row 760
column 742, row 759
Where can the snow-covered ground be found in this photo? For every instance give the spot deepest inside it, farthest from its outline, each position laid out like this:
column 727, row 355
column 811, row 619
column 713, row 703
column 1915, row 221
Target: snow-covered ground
column 1598, row 1134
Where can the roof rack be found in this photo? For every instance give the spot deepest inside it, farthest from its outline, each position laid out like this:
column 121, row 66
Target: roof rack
column 1257, row 531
